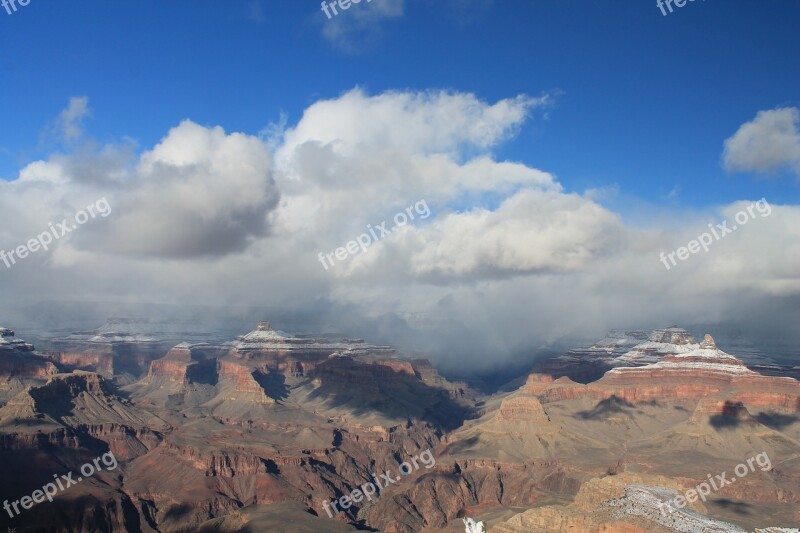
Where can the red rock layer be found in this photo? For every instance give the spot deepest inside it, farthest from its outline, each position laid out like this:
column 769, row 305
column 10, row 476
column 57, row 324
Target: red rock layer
column 241, row 375
column 644, row 384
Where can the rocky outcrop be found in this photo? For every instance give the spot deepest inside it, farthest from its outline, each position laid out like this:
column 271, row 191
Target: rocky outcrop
column 522, row 408
column 701, row 373
column 69, row 386
column 660, row 343
column 64, row 438
column 285, row 353
column 173, row 366
column 8, row 341
column 124, row 442
column 76, row 400
column 685, row 375
column 244, row 384
column 343, row 370
column 25, row 365
column 436, row 498
column 99, row 359
column 18, row 359
column 619, row 348
column 638, row 348
column 222, row 463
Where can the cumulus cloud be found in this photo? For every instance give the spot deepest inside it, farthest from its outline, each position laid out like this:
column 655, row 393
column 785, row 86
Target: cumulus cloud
column 70, row 120
column 419, row 122
column 357, row 158
column 768, row 143
column 199, row 193
column 532, row 231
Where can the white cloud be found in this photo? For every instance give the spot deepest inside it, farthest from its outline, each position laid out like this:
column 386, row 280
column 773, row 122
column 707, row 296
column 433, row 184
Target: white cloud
column 418, row 122
column 768, row 143
column 532, row 231
column 199, row 193
column 70, row 120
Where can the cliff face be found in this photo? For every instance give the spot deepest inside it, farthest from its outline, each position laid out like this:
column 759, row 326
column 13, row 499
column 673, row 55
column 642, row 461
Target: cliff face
column 61, row 425
column 70, row 386
column 96, row 359
column 25, row 365
column 433, row 499
column 391, row 390
column 109, row 359
column 169, row 369
column 119, row 346
column 229, row 467
column 173, row 365
column 18, row 360
column 81, row 401
column 344, row 371
column 244, row 385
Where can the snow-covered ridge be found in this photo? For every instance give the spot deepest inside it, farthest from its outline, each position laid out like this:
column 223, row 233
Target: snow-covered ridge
column 607, row 349
column 706, row 357
column 9, row 342
column 660, row 343
column 190, row 345
column 614, row 340
column 264, row 337
column 686, row 366
column 672, row 335
column 265, row 333
column 707, row 350
column 650, row 502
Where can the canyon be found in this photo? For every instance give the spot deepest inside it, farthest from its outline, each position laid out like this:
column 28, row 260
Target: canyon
column 256, row 432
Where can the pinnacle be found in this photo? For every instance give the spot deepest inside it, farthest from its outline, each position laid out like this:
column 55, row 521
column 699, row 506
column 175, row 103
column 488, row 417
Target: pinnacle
column 708, row 343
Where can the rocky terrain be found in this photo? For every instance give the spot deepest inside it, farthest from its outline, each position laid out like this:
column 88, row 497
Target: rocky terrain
column 260, row 432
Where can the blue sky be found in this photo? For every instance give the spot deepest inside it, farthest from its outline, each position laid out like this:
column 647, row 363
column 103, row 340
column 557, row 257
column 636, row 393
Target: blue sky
column 644, row 101
column 562, row 148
